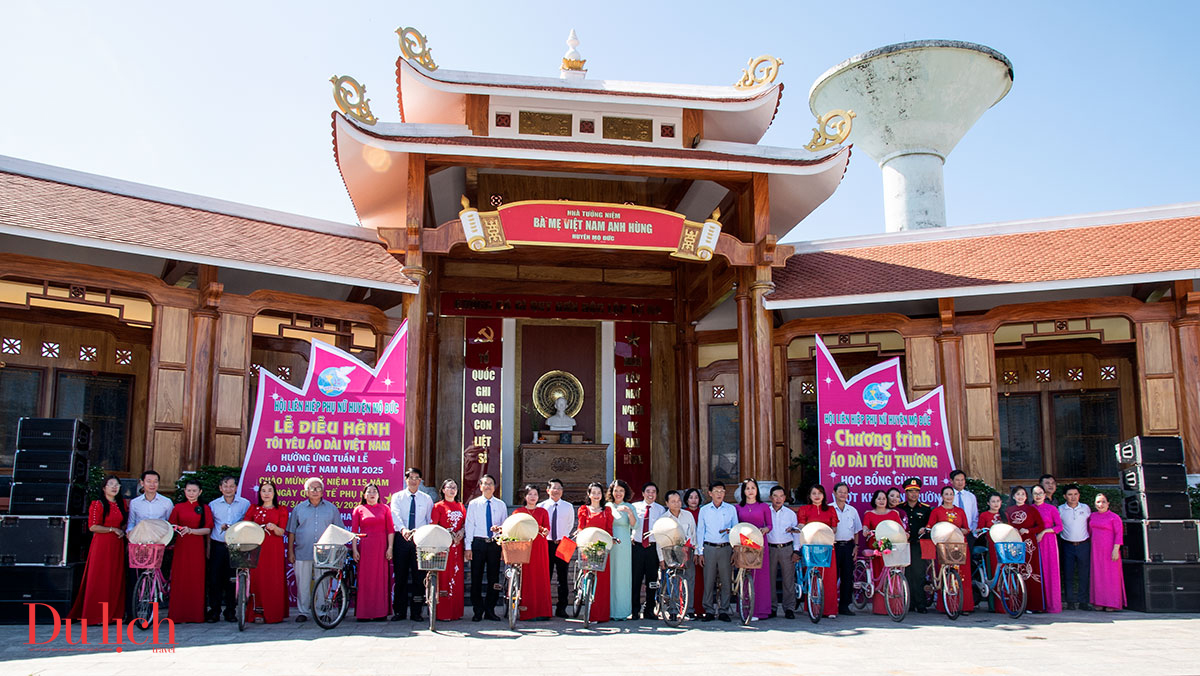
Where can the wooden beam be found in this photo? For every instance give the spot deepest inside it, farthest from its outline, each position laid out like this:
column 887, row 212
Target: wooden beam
column 477, row 114
column 725, row 177
column 693, row 127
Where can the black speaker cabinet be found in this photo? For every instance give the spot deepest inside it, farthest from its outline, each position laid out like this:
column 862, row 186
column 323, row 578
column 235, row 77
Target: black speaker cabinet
column 53, row 434
column 63, row 467
column 1163, row 450
column 1154, row 478
column 1158, row 506
column 54, row 586
column 1162, row 587
column 41, row 499
column 1162, row 541
column 41, row 540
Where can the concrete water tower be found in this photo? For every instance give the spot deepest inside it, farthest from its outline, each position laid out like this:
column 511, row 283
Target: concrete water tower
column 913, row 101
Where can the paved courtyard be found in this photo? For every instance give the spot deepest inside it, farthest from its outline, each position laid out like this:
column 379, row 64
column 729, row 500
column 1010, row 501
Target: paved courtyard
column 1073, row 642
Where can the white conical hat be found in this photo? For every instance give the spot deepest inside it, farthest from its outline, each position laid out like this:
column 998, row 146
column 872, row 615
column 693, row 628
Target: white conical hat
column 433, row 535
column 592, row 534
column 245, row 533
column 1002, row 532
column 151, row 532
column 816, row 533
column 336, row 535
column 891, row 531
column 749, row 530
column 521, row 526
column 944, row 531
column 667, row 532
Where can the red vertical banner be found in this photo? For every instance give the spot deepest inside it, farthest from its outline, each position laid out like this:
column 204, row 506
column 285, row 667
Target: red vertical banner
column 481, row 404
column 632, row 439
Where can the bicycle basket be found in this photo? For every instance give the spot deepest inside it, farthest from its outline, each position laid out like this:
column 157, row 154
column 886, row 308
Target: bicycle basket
column 674, row 557
column 432, row 558
column 145, row 556
column 900, row 555
column 516, row 551
column 747, row 557
column 243, row 556
column 1010, row 552
column 817, row 556
column 330, row 556
column 593, row 561
column 951, row 553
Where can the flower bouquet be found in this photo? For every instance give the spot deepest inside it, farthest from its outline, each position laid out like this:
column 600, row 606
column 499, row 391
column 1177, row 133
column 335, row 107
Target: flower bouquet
column 884, row 546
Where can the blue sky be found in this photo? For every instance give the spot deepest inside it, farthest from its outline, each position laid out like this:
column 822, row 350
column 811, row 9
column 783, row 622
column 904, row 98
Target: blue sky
column 232, row 100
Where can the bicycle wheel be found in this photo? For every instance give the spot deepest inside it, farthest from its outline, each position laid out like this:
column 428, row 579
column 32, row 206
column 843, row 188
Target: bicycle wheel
column 431, row 597
column 816, row 594
column 143, row 601
column 864, row 585
column 329, row 601
column 745, row 594
column 514, row 595
column 675, row 601
column 587, row 593
column 896, row 594
column 1011, row 590
column 952, row 591
column 243, row 596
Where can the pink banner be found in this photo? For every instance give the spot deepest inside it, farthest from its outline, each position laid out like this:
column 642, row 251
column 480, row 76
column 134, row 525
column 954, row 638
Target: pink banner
column 345, row 425
column 873, row 438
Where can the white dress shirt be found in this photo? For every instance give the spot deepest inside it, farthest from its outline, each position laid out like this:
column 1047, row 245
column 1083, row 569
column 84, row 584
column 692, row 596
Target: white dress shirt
column 565, row 516
column 140, row 508
column 400, row 504
column 781, row 520
column 226, row 514
column 713, row 520
column 1075, row 522
column 966, row 500
column 849, row 525
column 639, row 516
column 686, row 523
column 477, row 518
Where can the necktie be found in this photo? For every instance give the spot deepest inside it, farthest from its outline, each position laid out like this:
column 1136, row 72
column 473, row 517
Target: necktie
column 554, row 522
column 412, row 512
column 646, row 528
column 958, row 500
column 487, row 504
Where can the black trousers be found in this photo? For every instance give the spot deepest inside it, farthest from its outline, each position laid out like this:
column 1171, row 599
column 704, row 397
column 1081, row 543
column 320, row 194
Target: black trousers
column 1076, row 560
column 485, row 558
column 915, row 574
column 844, row 551
column 559, row 567
column 645, row 571
column 408, row 583
column 220, row 587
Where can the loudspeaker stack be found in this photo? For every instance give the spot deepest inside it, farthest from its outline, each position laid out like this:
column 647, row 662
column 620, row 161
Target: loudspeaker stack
column 1162, row 541
column 42, row 537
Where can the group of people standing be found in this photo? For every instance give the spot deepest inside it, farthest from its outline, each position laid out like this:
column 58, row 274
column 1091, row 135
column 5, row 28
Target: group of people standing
column 1083, row 543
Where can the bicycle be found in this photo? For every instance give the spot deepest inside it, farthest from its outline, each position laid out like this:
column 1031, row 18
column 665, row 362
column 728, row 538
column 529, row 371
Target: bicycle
column 432, row 560
column 672, row 594
column 1007, row 583
column 746, row 560
column 150, row 590
column 945, row 578
column 243, row 558
column 516, row 554
column 894, row 585
column 593, row 559
column 331, row 594
column 864, row 580
column 810, row 577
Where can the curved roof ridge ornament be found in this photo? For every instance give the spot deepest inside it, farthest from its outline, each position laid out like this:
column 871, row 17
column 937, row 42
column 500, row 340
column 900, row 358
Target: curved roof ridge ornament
column 415, row 47
column 760, row 71
column 832, row 128
column 351, row 99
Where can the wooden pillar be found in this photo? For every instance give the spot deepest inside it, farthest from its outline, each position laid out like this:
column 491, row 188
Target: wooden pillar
column 686, row 359
column 1187, row 332
column 430, row 368
column 783, row 420
column 762, row 325
column 416, row 385
column 201, row 343
column 746, row 399
column 951, row 372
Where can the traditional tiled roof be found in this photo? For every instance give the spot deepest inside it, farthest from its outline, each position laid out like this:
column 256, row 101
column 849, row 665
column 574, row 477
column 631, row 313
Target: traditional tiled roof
column 57, row 210
column 987, row 259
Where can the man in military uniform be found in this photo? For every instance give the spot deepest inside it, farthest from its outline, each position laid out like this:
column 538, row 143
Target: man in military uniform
column 916, row 514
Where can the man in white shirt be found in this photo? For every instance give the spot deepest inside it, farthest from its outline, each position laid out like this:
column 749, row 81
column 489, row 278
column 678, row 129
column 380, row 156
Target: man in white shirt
column 148, row 505
column 411, row 509
column 687, row 524
column 484, row 516
column 965, row 499
column 713, row 552
column 562, row 522
column 226, row 510
column 784, row 544
column 645, row 555
column 1074, row 549
column 845, row 540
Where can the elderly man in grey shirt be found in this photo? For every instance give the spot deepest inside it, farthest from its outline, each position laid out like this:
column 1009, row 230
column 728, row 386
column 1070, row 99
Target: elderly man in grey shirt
column 306, row 523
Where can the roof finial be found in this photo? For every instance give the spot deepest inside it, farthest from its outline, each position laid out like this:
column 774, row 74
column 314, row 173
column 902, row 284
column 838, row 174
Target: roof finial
column 572, row 61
